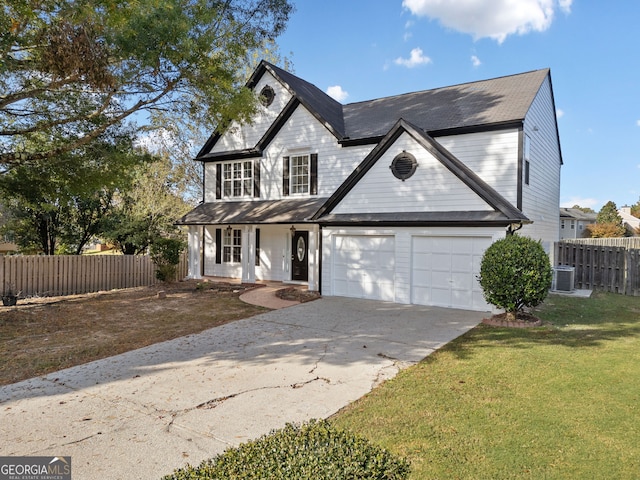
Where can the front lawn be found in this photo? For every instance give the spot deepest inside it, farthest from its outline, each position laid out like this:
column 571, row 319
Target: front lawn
column 555, row 402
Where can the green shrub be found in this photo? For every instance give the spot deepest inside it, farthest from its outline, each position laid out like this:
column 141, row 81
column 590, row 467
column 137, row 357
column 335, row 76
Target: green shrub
column 315, row 450
column 515, row 273
column 165, row 254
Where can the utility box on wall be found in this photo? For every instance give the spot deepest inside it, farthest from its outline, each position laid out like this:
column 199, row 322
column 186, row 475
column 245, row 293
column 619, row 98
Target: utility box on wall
column 563, row 278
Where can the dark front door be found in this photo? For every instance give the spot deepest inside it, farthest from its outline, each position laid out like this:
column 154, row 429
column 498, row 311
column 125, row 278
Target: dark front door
column 300, row 256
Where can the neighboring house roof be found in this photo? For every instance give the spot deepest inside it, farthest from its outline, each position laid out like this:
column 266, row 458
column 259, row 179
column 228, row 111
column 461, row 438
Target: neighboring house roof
column 470, row 106
column 577, row 214
column 250, row 212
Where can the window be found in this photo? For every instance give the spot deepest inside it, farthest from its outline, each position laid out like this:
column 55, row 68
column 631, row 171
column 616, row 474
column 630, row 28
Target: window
column 527, row 158
column 232, row 246
column 299, row 174
column 562, row 224
column 573, row 224
column 237, row 179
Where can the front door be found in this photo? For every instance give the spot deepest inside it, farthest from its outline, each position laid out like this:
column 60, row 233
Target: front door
column 299, row 256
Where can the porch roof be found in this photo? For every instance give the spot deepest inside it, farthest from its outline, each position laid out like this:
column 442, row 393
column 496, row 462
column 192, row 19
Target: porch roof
column 252, row 212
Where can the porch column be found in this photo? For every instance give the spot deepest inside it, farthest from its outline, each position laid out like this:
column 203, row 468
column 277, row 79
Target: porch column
column 314, row 258
column 194, row 245
column 248, row 254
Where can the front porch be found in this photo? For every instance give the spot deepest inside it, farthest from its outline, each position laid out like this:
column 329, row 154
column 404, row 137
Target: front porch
column 256, row 253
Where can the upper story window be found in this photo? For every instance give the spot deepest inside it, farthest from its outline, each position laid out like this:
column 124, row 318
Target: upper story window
column 238, row 179
column 300, row 174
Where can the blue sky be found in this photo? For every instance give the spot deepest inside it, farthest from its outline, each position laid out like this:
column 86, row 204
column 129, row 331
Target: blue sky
column 365, row 49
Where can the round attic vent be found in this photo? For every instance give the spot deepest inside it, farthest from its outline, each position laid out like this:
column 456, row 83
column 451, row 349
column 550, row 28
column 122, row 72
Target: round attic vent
column 404, row 166
column 267, row 95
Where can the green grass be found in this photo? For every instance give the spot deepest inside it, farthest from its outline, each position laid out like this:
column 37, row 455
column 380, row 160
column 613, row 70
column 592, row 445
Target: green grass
column 555, row 402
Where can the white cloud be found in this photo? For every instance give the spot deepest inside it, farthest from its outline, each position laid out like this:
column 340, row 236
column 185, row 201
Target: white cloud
column 559, row 113
column 638, row 123
column 494, row 19
column 336, row 92
column 475, row 61
column 583, row 202
column 416, row 58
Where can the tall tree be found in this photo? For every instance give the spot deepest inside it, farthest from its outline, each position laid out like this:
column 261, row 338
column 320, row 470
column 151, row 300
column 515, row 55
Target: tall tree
column 72, row 69
column 608, row 223
column 56, row 207
column 180, row 138
column 148, row 209
column 635, row 209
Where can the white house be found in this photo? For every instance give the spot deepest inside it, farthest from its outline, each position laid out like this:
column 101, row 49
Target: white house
column 573, row 222
column 395, row 198
column 631, row 223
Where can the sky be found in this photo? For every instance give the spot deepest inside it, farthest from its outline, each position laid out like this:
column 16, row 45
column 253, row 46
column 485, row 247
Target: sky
column 359, row 50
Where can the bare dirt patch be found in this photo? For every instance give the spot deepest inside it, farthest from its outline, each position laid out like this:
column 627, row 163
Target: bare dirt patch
column 42, row 335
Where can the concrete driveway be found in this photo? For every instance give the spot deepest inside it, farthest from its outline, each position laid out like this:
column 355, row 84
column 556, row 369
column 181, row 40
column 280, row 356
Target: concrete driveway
column 144, row 413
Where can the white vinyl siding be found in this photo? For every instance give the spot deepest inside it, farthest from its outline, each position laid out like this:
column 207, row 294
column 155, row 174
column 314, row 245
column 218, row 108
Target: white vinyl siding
column 239, row 137
column 335, row 163
column 541, row 198
column 493, row 156
column 431, row 188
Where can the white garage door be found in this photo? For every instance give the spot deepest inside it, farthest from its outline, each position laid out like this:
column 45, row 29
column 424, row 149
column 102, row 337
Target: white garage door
column 364, row 266
column 444, row 271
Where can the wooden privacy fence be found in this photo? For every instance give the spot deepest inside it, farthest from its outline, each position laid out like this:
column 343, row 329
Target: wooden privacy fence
column 602, row 267
column 54, row 275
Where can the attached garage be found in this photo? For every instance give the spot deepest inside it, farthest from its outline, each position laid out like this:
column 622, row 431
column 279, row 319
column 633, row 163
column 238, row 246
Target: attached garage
column 434, row 267
column 363, row 266
column 444, row 271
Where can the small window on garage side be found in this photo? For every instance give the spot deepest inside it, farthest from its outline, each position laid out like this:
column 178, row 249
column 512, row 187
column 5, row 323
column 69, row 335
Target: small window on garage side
column 404, row 166
column 527, row 158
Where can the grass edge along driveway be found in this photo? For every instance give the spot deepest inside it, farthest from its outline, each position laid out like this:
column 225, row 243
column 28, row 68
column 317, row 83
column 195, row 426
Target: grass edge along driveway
column 559, row 401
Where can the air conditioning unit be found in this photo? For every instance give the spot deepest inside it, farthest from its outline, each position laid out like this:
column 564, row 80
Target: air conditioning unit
column 563, row 278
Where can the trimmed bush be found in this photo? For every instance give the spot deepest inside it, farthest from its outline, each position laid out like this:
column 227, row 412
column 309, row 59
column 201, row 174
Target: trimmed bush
column 314, row 450
column 515, row 273
column 165, row 254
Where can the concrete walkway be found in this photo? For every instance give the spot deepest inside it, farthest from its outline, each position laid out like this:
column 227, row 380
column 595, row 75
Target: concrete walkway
column 142, row 414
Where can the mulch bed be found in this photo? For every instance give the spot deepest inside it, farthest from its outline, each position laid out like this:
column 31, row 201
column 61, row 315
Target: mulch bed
column 523, row 320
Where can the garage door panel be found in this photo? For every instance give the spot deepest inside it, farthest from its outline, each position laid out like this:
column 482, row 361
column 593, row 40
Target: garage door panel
column 364, row 266
column 444, row 271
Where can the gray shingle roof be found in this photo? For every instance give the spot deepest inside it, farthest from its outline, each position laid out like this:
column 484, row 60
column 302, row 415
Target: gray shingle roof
column 577, row 214
column 487, row 102
column 250, row 212
column 472, row 105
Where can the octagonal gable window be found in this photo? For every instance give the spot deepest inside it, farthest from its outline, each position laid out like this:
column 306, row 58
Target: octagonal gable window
column 404, row 165
column 267, row 95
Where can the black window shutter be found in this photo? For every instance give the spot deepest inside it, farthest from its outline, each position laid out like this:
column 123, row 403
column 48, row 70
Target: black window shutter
column 257, row 247
column 285, row 175
column 218, row 245
column 218, row 181
column 313, row 180
column 256, row 178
